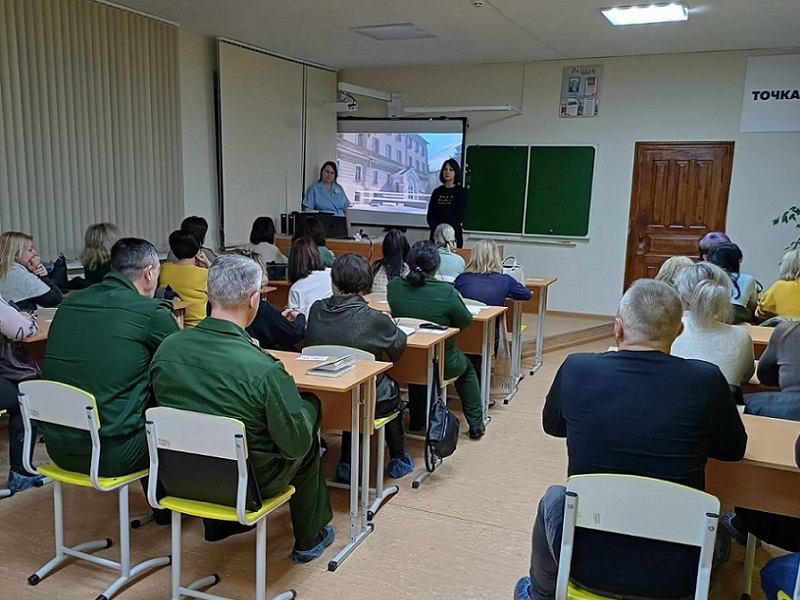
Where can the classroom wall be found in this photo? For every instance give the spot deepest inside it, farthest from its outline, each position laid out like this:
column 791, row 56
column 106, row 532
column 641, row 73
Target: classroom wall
column 688, row 97
column 197, row 61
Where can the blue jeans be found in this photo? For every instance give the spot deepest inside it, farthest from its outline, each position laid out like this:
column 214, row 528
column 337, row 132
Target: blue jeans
column 546, row 543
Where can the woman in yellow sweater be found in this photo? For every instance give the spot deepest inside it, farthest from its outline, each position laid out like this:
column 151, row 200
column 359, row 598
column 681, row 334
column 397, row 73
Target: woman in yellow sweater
column 184, row 276
column 782, row 299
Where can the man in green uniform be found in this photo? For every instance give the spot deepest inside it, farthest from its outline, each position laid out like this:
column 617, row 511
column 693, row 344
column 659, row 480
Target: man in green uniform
column 102, row 340
column 236, row 379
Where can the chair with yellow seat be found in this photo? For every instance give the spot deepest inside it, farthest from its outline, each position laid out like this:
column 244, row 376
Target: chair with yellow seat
column 187, row 451
column 382, row 494
column 626, row 505
column 60, row 404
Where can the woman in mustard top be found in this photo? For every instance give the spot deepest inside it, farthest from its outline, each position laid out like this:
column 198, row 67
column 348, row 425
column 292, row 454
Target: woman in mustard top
column 782, row 299
column 186, row 278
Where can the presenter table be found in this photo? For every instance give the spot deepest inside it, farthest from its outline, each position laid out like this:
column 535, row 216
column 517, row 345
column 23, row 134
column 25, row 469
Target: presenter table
column 342, row 400
column 370, row 249
column 538, row 287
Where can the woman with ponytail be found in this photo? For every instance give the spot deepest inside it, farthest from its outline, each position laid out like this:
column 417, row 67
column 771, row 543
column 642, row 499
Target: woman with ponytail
column 744, row 289
column 420, row 295
column 705, row 290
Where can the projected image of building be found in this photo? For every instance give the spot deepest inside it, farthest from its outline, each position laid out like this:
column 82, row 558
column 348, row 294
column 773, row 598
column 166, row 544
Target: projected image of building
column 384, row 171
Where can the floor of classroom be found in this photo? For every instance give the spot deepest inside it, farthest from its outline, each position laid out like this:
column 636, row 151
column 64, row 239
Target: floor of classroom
column 465, row 534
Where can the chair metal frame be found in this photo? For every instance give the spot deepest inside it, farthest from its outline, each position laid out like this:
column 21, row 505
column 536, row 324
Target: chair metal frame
column 382, row 494
column 5, row 492
column 220, row 437
column 625, row 504
column 61, row 404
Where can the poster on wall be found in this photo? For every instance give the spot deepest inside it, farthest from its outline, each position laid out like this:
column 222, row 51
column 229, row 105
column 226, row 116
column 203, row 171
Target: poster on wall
column 580, row 87
column 771, row 99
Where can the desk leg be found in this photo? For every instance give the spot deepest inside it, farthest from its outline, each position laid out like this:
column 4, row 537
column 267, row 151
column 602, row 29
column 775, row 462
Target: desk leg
column 433, row 352
column 486, row 368
column 368, row 393
column 356, row 536
column 540, row 331
column 438, row 353
column 516, row 350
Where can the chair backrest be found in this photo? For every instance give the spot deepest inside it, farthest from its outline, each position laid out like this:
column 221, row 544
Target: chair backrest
column 471, row 302
column 200, row 457
column 377, row 296
column 625, row 504
column 333, row 350
column 445, row 278
column 58, row 403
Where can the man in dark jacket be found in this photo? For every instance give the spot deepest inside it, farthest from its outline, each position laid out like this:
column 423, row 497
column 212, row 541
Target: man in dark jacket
column 641, row 412
column 345, row 319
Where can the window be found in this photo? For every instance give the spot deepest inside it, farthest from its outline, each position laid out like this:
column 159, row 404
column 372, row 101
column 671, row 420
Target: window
column 398, row 137
column 375, row 177
column 410, row 161
column 360, row 139
column 399, row 157
column 408, row 142
column 358, row 173
column 388, row 151
column 376, row 145
column 357, row 197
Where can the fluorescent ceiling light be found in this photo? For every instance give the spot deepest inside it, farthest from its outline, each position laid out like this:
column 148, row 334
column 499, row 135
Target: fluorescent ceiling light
column 644, row 14
column 398, row 31
column 460, row 109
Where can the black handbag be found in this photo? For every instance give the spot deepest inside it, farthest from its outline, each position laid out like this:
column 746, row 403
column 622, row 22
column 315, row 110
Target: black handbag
column 58, row 273
column 443, row 426
column 16, row 364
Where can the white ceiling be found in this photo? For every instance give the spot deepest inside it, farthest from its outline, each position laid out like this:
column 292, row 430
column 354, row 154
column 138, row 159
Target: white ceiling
column 320, row 31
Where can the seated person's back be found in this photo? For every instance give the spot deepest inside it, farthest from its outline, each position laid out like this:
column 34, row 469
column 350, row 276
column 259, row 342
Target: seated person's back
column 184, row 277
column 102, row 340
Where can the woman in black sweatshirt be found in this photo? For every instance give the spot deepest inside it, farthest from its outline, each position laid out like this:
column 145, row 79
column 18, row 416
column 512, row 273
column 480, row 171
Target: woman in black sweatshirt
column 448, row 202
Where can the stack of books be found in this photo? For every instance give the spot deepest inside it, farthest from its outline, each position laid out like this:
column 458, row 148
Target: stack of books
column 336, row 367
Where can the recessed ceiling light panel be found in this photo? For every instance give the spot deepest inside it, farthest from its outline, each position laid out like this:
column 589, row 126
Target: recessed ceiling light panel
column 398, row 31
column 646, row 14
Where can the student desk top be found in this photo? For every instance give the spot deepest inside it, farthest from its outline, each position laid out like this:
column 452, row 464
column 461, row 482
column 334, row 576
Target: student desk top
column 768, row 478
column 761, row 336
column 342, row 398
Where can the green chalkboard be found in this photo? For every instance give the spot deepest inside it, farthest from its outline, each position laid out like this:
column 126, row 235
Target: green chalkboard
column 534, row 190
column 559, row 190
column 494, row 177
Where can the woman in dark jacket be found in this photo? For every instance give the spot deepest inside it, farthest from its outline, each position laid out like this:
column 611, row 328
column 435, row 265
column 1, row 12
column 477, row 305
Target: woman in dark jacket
column 448, row 203
column 345, row 319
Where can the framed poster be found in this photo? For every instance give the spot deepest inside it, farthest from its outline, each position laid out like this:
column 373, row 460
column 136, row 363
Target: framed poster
column 771, row 99
column 580, row 87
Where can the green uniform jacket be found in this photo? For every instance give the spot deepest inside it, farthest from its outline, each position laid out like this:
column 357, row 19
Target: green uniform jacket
column 234, row 378
column 102, row 340
column 436, row 301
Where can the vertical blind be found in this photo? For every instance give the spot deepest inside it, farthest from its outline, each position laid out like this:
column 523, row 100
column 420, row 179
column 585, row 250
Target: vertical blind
column 89, row 123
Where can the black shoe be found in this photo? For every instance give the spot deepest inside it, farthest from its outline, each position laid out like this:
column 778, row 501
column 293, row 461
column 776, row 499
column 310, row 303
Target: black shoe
column 216, row 531
column 477, row 432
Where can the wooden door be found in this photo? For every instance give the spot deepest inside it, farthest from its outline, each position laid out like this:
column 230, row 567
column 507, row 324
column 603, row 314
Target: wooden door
column 680, row 193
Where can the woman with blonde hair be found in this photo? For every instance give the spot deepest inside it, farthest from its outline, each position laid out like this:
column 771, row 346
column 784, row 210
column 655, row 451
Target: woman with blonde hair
column 671, row 267
column 705, row 291
column 96, row 255
column 782, row 299
column 483, row 278
column 23, row 278
column 451, row 265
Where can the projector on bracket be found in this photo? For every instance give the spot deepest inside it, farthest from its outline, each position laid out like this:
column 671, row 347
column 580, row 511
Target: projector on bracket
column 341, row 106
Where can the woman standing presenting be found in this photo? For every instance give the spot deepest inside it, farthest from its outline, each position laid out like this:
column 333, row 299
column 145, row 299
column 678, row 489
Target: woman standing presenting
column 448, row 202
column 326, row 195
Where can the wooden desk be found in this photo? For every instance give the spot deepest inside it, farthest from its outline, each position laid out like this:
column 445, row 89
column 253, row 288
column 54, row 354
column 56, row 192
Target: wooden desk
column 371, row 249
column 761, row 336
column 768, row 478
column 358, row 388
column 538, row 287
column 179, row 310
column 279, row 295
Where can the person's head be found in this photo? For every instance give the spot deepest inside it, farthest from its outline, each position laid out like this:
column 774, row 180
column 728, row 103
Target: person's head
column 137, row 259
column 263, row 230
column 351, row 275
column 304, row 259
column 251, row 254
column 705, row 291
column 196, row 225
column 726, row 255
column 709, row 240
column 234, row 288
column 97, row 244
column 649, row 316
column 183, row 244
column 395, row 251
column 790, row 265
column 328, row 173
column 671, row 267
column 450, row 172
column 311, row 227
column 423, row 261
column 16, row 246
column 445, row 236
column 485, row 258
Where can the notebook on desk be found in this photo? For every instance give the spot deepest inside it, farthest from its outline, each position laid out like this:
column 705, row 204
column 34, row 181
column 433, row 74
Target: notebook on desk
column 335, row 367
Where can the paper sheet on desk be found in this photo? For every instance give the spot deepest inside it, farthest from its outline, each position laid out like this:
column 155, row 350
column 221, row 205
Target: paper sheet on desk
column 312, row 357
column 475, row 309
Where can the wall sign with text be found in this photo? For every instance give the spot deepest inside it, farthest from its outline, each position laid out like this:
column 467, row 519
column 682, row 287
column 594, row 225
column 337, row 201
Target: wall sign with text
column 771, row 99
column 580, row 88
